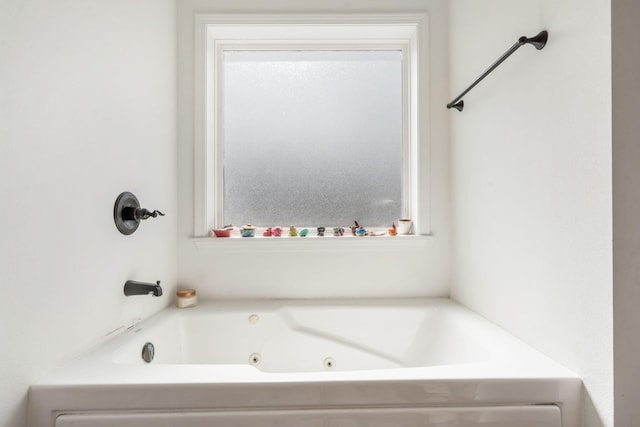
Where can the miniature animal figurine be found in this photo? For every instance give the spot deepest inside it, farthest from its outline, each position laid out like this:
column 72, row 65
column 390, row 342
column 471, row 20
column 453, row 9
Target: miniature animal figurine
column 304, row 232
column 358, row 230
column 276, row 231
column 268, row 232
column 292, row 231
column 321, row 231
column 353, row 228
column 393, row 231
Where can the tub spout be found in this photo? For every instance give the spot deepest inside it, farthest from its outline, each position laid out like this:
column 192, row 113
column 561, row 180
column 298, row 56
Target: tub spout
column 132, row 287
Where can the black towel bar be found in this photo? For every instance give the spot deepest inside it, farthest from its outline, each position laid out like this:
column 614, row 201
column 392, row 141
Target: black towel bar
column 538, row 41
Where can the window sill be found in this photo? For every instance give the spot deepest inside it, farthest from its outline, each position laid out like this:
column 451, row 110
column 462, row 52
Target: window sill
column 313, row 243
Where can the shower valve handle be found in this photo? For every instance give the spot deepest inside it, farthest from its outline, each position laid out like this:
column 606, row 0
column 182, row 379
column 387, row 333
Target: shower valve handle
column 127, row 213
column 145, row 214
column 136, row 214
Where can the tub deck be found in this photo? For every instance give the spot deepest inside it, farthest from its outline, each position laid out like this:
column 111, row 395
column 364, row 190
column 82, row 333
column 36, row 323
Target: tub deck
column 409, row 356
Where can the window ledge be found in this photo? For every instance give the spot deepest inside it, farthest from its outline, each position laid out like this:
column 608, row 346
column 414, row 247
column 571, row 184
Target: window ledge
column 313, row 243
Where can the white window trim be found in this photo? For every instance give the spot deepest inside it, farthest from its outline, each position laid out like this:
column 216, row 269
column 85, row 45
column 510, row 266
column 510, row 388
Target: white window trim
column 215, row 33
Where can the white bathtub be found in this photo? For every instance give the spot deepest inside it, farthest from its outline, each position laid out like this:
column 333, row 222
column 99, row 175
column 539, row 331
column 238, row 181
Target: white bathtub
column 418, row 362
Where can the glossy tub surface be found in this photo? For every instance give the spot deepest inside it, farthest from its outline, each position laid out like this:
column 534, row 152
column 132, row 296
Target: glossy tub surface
column 418, row 362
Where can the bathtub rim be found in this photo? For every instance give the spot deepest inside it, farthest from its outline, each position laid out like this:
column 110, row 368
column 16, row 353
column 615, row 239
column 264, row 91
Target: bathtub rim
column 80, row 370
column 81, row 386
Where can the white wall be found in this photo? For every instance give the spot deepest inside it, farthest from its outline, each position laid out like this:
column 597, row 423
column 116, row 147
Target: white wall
column 87, row 110
column 220, row 273
column 531, row 160
column 626, row 208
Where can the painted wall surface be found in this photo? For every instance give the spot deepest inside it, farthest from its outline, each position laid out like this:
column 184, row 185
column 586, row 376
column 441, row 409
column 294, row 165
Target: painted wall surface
column 290, row 273
column 531, row 181
column 87, row 110
column 626, row 209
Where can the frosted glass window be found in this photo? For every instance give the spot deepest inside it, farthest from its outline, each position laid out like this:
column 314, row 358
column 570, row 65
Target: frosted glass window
column 312, row 137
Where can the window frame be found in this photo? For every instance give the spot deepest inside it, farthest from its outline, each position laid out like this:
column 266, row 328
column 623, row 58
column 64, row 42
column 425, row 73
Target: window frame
column 217, row 33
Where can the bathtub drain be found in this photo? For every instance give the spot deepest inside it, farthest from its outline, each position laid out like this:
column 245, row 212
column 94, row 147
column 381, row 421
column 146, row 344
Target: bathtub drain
column 255, row 358
column 329, row 363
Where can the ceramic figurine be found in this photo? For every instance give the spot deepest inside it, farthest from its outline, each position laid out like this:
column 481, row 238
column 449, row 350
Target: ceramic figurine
column 393, row 231
column 248, row 231
column 338, row 231
column 276, row 231
column 292, row 231
column 304, row 232
column 321, row 231
column 224, row 231
column 358, row 230
column 268, row 232
column 353, row 228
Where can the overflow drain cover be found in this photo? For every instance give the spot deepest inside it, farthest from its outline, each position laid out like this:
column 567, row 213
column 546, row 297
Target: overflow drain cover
column 148, row 352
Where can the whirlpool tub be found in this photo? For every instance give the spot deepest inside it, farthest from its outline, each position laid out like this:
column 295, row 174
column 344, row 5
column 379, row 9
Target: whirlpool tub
column 418, row 362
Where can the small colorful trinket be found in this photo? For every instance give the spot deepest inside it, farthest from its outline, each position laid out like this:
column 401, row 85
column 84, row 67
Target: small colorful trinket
column 276, row 231
column 248, row 231
column 338, row 231
column 358, row 230
column 354, row 228
column 321, row 231
column 268, row 232
column 224, row 231
column 292, row 231
column 393, row 231
column 304, row 232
